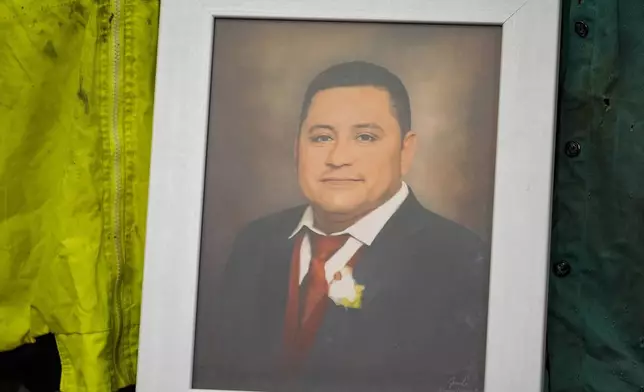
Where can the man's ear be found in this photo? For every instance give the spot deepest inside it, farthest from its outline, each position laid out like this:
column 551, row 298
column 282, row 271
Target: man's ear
column 408, row 151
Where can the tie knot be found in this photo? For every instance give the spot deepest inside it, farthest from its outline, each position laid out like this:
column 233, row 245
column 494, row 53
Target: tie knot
column 324, row 246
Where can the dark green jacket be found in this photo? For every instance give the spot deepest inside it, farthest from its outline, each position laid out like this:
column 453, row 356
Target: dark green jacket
column 596, row 306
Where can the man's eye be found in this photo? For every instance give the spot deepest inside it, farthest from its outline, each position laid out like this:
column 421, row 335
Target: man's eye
column 321, row 139
column 365, row 137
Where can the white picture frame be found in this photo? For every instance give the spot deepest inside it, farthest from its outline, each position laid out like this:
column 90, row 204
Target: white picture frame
column 522, row 190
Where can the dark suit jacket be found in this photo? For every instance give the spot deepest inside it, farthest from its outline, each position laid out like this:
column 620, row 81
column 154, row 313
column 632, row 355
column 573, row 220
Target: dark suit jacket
column 422, row 324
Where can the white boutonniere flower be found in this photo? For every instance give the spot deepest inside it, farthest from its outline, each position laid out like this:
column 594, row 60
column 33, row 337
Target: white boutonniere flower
column 344, row 290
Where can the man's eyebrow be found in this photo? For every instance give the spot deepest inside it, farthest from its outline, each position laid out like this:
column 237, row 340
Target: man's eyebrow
column 373, row 126
column 320, row 126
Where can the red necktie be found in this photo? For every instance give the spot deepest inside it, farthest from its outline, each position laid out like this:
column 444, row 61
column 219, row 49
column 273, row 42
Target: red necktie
column 307, row 302
column 316, row 289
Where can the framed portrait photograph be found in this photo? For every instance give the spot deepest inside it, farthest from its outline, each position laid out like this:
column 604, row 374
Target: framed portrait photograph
column 350, row 196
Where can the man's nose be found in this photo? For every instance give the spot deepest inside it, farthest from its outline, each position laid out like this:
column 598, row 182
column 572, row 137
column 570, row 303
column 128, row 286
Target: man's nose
column 340, row 154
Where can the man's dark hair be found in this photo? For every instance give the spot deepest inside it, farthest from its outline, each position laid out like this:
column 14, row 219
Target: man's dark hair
column 361, row 73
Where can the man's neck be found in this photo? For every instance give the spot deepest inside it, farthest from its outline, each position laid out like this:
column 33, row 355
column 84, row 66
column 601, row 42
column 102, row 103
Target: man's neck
column 330, row 223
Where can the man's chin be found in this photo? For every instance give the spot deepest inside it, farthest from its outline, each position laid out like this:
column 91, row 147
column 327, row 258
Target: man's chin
column 339, row 209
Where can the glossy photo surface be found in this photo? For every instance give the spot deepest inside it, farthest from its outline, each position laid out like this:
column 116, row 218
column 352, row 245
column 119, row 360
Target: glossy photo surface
column 347, row 213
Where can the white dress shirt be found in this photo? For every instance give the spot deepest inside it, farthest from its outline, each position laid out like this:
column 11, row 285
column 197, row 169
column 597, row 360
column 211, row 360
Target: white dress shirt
column 363, row 232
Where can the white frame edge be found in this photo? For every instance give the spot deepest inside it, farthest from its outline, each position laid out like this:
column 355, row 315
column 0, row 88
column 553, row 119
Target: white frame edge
column 523, row 182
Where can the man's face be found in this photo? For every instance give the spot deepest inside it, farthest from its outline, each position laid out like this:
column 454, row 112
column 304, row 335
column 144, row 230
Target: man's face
column 350, row 155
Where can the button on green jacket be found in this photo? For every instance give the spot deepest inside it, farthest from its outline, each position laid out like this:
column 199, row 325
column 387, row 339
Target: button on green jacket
column 76, row 87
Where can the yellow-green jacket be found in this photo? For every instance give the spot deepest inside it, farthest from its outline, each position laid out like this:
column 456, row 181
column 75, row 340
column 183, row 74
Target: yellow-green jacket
column 76, row 84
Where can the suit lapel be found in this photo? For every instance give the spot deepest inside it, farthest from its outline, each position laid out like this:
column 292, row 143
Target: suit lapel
column 389, row 250
column 273, row 293
column 378, row 268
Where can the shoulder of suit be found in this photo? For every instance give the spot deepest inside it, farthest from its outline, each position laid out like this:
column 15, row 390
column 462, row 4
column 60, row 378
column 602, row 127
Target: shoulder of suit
column 280, row 223
column 450, row 232
column 462, row 253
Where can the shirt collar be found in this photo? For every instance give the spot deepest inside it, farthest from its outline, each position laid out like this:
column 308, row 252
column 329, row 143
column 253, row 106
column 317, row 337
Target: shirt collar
column 367, row 228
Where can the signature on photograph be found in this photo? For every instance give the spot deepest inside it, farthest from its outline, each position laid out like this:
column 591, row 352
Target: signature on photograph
column 455, row 384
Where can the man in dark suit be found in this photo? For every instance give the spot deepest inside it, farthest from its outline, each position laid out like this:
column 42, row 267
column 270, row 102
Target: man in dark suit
column 362, row 289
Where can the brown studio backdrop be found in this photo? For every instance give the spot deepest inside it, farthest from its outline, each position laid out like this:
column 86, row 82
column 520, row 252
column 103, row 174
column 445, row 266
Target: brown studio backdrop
column 260, row 72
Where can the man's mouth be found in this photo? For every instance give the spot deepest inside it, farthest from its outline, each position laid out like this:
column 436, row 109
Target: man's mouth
column 341, row 180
